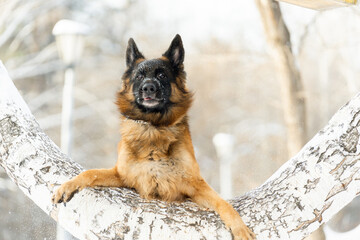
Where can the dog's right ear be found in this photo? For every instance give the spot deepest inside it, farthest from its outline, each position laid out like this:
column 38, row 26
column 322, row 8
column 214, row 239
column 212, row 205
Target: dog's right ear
column 132, row 53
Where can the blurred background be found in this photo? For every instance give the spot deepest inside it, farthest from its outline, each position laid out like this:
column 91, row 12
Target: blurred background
column 230, row 65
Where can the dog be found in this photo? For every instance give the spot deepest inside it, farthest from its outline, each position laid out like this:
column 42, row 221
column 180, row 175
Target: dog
column 155, row 154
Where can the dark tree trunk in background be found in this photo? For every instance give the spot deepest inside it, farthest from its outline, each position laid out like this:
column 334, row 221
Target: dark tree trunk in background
column 292, row 89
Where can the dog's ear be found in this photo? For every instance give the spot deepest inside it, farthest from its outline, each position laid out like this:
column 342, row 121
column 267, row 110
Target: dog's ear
column 176, row 52
column 132, row 53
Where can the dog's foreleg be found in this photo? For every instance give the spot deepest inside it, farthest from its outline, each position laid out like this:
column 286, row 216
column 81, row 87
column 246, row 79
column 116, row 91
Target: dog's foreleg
column 89, row 178
column 205, row 196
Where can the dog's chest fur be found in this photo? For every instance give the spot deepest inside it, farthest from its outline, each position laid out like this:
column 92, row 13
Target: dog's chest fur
column 149, row 159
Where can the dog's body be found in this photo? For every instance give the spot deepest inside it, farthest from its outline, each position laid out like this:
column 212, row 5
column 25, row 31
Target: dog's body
column 155, row 154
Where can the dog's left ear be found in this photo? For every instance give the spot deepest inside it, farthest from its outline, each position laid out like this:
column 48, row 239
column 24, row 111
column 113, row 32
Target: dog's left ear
column 176, row 52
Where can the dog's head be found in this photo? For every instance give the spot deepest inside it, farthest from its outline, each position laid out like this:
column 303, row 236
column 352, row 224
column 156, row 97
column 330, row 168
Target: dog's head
column 154, row 90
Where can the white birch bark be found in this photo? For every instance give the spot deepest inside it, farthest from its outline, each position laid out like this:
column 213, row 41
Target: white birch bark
column 304, row 193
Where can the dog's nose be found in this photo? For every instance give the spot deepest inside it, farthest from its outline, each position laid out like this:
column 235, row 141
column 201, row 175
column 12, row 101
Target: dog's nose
column 149, row 88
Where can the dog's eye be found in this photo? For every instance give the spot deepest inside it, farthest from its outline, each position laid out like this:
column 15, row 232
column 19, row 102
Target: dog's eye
column 161, row 76
column 139, row 77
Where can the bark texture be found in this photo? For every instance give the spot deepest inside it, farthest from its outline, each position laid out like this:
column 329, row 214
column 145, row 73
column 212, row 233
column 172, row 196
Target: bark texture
column 292, row 90
column 304, row 193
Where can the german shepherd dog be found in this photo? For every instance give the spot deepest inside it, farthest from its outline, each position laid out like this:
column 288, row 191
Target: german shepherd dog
column 155, row 154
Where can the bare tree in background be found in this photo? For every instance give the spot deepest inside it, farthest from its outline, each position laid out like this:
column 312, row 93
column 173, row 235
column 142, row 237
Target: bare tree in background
column 292, row 89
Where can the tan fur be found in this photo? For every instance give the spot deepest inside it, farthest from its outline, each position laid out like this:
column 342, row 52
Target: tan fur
column 156, row 157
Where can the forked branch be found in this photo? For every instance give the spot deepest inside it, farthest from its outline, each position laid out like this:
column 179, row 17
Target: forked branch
column 303, row 194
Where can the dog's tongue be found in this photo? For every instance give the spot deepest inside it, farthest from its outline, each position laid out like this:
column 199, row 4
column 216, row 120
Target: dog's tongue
column 147, row 98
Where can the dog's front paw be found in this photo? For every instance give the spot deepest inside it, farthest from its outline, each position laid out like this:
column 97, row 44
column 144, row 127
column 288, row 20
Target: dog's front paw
column 242, row 233
column 65, row 192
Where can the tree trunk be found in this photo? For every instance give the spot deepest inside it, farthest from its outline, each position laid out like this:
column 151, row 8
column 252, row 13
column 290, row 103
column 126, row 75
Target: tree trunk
column 304, row 193
column 292, row 90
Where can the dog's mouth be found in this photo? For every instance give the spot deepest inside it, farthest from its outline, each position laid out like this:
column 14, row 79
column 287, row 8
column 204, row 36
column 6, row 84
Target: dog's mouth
column 150, row 102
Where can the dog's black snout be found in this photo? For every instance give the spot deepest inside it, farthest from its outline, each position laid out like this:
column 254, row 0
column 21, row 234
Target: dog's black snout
column 149, row 88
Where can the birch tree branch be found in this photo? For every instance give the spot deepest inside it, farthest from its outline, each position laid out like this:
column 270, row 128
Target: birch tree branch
column 303, row 194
